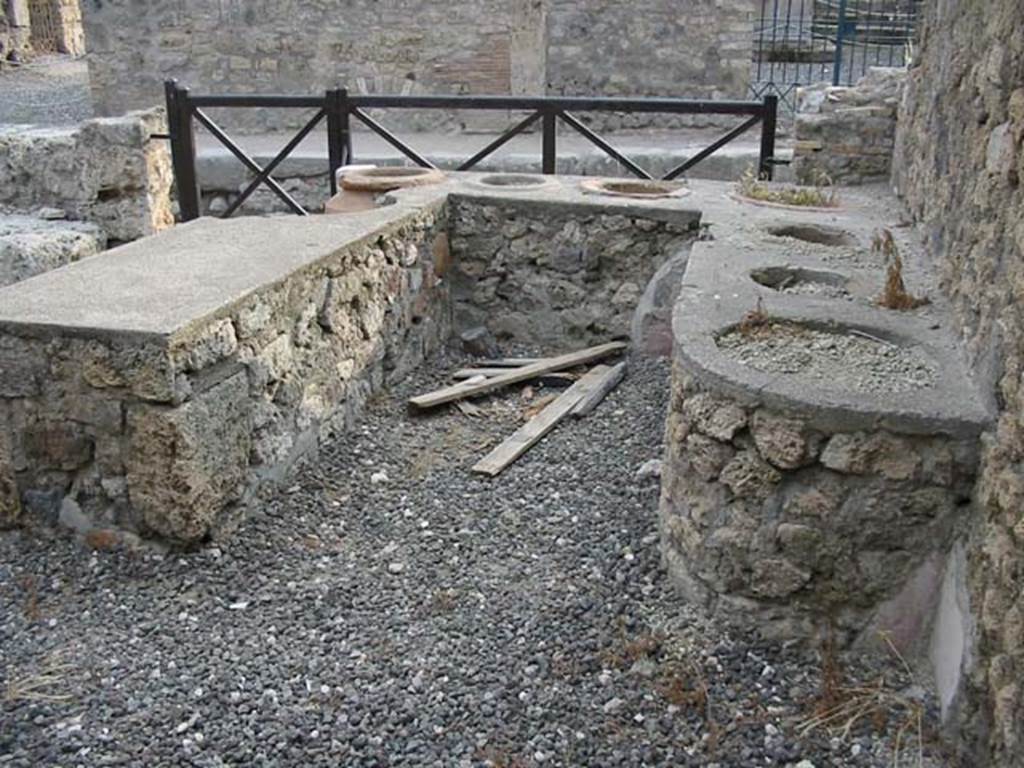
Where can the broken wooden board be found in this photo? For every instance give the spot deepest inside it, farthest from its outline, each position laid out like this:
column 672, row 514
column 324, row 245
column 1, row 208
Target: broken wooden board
column 469, row 373
column 509, row 362
column 527, row 435
column 516, row 375
column 608, row 382
column 555, row 378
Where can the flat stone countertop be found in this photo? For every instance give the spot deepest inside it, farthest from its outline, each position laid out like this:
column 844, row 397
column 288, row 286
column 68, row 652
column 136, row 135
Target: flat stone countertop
column 846, row 278
column 182, row 279
column 168, row 283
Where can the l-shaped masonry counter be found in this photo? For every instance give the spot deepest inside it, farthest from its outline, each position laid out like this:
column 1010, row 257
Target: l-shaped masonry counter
column 157, row 387
column 820, row 449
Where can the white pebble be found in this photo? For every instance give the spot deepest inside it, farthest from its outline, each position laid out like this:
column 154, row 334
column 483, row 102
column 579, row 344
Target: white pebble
column 613, row 705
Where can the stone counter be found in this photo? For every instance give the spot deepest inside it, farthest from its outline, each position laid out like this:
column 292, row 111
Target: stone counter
column 795, row 499
column 157, row 387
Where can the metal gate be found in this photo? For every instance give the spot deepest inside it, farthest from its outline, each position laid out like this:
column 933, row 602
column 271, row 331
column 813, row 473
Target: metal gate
column 45, row 25
column 798, row 42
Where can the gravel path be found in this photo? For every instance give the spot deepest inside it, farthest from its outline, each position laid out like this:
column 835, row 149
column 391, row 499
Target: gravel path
column 48, row 90
column 391, row 609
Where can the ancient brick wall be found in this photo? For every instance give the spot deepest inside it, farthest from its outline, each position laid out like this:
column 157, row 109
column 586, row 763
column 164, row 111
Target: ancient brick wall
column 959, row 163
column 274, row 46
column 548, row 275
column 694, row 49
column 846, row 134
column 14, row 27
column 700, row 48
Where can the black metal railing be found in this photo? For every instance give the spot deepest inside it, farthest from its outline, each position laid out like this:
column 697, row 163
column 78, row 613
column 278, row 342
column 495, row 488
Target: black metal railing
column 799, row 42
column 184, row 110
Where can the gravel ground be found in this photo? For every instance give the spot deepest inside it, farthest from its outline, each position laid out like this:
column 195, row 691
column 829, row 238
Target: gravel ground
column 392, row 609
column 854, row 363
column 817, row 289
column 48, row 90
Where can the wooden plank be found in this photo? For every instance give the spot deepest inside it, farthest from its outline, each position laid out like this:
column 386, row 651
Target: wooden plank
column 509, row 362
column 527, row 435
column 555, row 379
column 592, row 399
column 469, row 373
column 516, row 375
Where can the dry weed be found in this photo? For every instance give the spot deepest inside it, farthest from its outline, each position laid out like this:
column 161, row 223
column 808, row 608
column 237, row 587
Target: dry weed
column 628, row 651
column 42, row 686
column 754, row 319
column 895, row 294
column 820, row 195
column 31, row 608
column 842, row 707
column 498, row 757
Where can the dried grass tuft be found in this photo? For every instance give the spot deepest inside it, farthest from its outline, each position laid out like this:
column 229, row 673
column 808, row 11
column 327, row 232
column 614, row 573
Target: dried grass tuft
column 895, row 294
column 821, row 194
column 754, row 319
column 42, row 686
column 841, row 707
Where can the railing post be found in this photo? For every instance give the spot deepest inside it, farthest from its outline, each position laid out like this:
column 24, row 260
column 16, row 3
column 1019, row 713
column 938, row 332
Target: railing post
column 837, row 64
column 766, row 160
column 548, row 147
column 346, row 126
column 183, row 149
column 335, row 140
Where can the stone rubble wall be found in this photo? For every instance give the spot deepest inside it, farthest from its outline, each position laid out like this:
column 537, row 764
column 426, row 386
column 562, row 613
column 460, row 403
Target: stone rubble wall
column 700, row 49
column 529, row 47
column 172, row 436
column 847, row 134
column 798, row 530
column 959, row 164
column 15, row 33
column 554, row 274
column 106, row 171
column 70, row 32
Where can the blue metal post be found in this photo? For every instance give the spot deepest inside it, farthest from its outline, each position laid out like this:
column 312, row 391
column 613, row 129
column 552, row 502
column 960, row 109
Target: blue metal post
column 837, row 64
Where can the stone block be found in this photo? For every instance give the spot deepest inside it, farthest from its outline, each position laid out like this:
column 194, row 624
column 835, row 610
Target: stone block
column 478, row 341
column 10, row 497
column 871, row 453
column 30, row 246
column 216, row 343
column 24, row 367
column 749, row 476
column 185, row 465
column 1001, row 152
column 802, row 543
column 786, row 443
column 58, row 445
column 777, row 578
column 106, row 171
column 720, row 419
column 706, row 456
